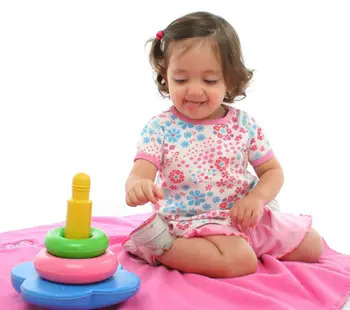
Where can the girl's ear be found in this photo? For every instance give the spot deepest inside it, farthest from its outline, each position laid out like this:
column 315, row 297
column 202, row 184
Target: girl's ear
column 231, row 89
column 164, row 80
column 164, row 84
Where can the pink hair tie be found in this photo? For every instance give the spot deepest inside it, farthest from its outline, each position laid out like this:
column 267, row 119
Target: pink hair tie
column 159, row 35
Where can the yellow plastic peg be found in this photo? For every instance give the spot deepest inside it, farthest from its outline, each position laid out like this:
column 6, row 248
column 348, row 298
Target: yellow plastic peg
column 78, row 221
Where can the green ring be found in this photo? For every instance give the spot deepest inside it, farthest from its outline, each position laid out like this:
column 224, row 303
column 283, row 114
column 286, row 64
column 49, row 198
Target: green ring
column 57, row 245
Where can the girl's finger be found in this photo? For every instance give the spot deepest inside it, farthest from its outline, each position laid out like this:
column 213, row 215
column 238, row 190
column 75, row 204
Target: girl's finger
column 132, row 198
column 140, row 196
column 148, row 192
column 157, row 191
column 255, row 217
column 245, row 224
column 234, row 212
column 247, row 219
column 127, row 201
column 240, row 215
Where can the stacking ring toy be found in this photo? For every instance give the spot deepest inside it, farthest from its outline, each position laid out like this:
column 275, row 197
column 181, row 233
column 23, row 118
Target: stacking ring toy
column 75, row 271
column 58, row 245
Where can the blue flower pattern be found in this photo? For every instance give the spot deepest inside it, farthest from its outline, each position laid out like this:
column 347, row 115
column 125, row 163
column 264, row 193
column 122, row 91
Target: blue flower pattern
column 185, row 144
column 173, row 135
column 200, row 137
column 191, row 212
column 185, row 187
column 195, row 197
column 206, row 206
column 185, row 125
column 188, row 135
column 216, row 199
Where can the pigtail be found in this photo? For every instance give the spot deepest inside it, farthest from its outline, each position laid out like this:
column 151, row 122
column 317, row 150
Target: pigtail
column 157, row 61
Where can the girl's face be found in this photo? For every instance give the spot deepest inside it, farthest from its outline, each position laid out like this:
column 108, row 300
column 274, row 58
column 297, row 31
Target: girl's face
column 195, row 81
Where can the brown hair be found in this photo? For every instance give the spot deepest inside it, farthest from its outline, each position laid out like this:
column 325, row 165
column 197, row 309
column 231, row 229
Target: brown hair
column 205, row 25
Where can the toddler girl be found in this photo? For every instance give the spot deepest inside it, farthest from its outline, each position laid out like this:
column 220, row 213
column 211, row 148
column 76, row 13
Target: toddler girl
column 211, row 216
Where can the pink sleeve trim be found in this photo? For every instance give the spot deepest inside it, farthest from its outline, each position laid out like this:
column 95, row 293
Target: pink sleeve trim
column 263, row 159
column 148, row 157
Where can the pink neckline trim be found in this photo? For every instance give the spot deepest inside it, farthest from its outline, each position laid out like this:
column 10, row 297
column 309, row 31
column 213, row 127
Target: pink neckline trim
column 215, row 121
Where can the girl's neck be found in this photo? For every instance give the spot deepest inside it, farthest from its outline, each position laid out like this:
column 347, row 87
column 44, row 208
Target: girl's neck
column 218, row 117
column 220, row 112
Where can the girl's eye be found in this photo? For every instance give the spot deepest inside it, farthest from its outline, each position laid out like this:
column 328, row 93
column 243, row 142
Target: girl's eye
column 210, row 81
column 179, row 81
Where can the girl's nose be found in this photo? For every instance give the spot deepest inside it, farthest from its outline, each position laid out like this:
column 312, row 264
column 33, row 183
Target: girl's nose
column 195, row 90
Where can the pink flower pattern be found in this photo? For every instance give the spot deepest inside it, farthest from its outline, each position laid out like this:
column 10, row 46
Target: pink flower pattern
column 223, row 132
column 176, row 176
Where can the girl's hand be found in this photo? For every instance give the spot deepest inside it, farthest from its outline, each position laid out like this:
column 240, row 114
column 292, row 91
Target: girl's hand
column 143, row 191
column 246, row 212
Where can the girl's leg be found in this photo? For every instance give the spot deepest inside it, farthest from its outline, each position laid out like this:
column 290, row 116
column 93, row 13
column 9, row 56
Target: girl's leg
column 309, row 250
column 214, row 256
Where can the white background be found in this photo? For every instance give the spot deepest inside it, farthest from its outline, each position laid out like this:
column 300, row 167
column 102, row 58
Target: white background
column 76, row 89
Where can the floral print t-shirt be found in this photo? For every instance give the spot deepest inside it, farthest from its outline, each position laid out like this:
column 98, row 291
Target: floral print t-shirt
column 202, row 165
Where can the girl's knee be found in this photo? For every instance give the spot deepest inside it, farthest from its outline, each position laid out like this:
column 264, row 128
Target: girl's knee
column 315, row 246
column 244, row 263
column 311, row 248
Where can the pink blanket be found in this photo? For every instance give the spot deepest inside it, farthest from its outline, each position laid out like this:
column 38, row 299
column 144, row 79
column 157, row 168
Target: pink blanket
column 276, row 285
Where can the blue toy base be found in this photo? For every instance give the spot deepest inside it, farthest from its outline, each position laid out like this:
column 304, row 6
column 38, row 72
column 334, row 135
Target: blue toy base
column 38, row 291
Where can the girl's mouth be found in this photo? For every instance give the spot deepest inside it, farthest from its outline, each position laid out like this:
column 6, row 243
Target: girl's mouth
column 192, row 105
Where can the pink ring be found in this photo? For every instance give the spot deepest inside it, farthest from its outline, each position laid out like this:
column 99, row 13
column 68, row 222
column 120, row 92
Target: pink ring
column 75, row 271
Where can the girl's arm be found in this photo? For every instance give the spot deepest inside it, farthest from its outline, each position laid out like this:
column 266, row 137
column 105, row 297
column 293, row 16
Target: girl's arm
column 270, row 180
column 247, row 211
column 141, row 170
column 140, row 187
